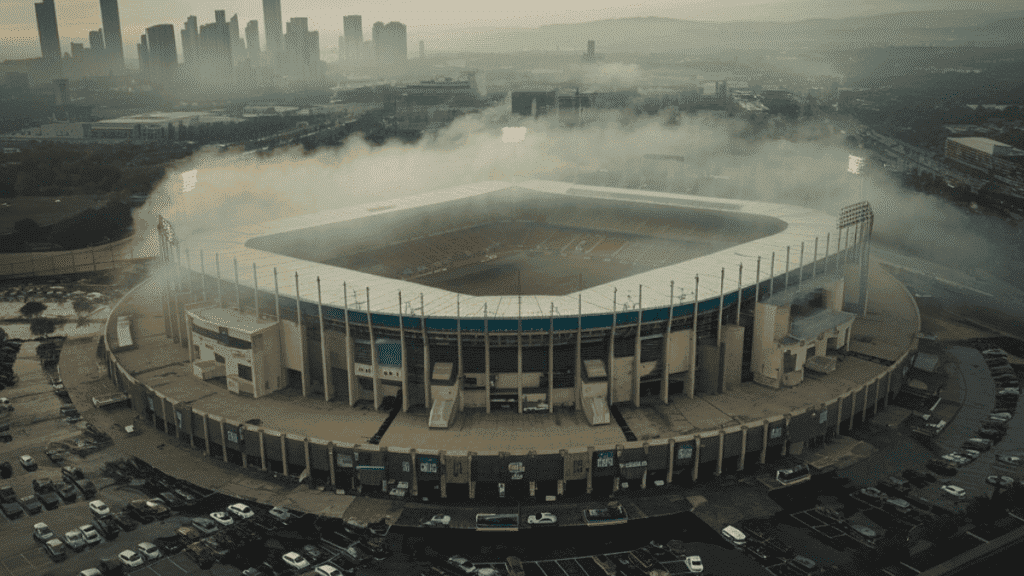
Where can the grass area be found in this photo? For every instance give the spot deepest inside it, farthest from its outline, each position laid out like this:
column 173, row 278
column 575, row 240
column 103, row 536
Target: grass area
column 45, row 210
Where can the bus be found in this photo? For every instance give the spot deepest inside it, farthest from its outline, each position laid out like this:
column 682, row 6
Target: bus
column 497, row 522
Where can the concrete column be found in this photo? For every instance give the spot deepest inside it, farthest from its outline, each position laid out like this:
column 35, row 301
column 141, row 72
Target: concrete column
column 636, row 348
column 325, row 365
column 551, row 361
column 255, row 290
column 785, row 283
column 743, row 448
column 302, row 340
column 330, row 464
column 305, row 446
column 864, row 407
column 277, row 298
column 414, row 485
column 353, row 387
column 202, row 272
column 487, row 362
column 241, row 441
column 405, row 363
column 284, row 454
column 163, row 412
column 647, row 453
column 191, row 434
column 472, row 483
column 533, row 489
column 519, row 358
column 667, row 349
column 839, row 414
column 206, row 433
column 263, row 452
column 828, row 244
column 560, row 486
column 785, row 439
column 874, row 407
column 590, row 470
column 888, row 389
column 220, row 291
column 814, row 262
column 617, row 481
column 443, row 461
column 671, row 460
column 721, row 452
column 611, row 346
column 223, row 442
column 692, row 384
column 739, row 294
column 238, row 288
column 578, row 396
column 721, row 312
column 426, row 356
column 757, row 284
column 373, row 355
column 696, row 458
column 800, row 277
column 764, row 444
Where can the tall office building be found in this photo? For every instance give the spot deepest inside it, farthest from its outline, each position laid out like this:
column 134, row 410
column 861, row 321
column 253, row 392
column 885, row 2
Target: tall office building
column 237, row 44
column 423, row 52
column 252, row 41
column 162, row 54
column 272, row 24
column 46, row 21
column 190, row 41
column 215, row 50
column 112, row 34
column 353, row 37
column 391, row 43
column 377, row 36
column 220, row 17
column 96, row 41
column 143, row 48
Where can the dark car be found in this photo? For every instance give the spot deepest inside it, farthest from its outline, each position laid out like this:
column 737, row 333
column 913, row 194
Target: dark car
column 49, row 500
column 67, row 492
column 139, row 512
column 107, row 527
column 919, row 478
column 5, row 469
column 943, row 467
column 312, row 553
column 185, row 496
column 169, row 544
column 70, row 473
column 895, row 485
column 31, row 504
column 41, row 485
column 86, row 486
column 11, row 510
column 7, row 494
column 172, row 499
column 111, row 567
column 992, row 432
column 124, row 521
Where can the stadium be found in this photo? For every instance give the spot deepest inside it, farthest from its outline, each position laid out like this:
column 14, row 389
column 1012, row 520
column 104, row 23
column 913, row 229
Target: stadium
column 535, row 338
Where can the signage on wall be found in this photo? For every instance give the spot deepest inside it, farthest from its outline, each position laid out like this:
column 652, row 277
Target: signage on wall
column 232, row 435
column 684, row 452
column 428, row 464
column 344, row 460
column 636, row 464
column 823, row 417
column 605, row 459
column 775, row 433
column 516, row 469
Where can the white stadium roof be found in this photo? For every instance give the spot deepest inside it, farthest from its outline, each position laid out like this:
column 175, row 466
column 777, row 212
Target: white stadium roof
column 803, row 225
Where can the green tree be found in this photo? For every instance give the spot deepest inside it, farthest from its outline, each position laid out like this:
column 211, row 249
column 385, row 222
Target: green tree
column 42, row 326
column 83, row 307
column 32, row 309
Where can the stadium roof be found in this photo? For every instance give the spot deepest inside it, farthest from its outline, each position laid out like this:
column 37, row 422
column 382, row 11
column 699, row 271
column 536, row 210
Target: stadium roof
column 803, row 225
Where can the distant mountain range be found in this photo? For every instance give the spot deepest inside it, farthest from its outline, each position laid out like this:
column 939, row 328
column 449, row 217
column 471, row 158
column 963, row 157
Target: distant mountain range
column 654, row 34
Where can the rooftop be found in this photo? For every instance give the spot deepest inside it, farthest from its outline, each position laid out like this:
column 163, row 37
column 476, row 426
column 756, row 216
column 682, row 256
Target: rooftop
column 988, row 146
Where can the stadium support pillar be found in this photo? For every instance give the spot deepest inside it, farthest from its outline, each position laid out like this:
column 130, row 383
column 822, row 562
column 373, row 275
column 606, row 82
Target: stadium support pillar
column 785, row 281
column 202, row 272
column 864, row 406
column 647, row 454
column 238, row 288
column 560, row 487
column 721, row 452
column 696, row 458
column 636, row 348
column 610, row 369
column 590, row 470
column 874, row 407
column 800, row 276
column 771, row 274
column 353, row 386
column 839, row 413
column 284, row 453
column 764, row 444
column 671, row 460
column 324, row 360
column 692, row 380
column 245, row 458
column 163, row 413
column 405, row 375
column 330, row 465
column 743, row 448
column 206, row 433
column 426, row 355
column 459, row 371
column 472, row 483
column 375, row 367
column 739, row 293
column 487, row 364
column 888, row 390
column 223, row 441
column 277, row 298
column 305, row 447
column 519, row 358
column 263, row 451
column 255, row 290
column 551, row 361
column 785, row 440
column 302, row 340
column 667, row 350
column 721, row 312
column 617, row 481
column 415, row 484
column 757, row 284
column 220, row 292
column 191, row 435
column 579, row 353
column 814, row 261
column 443, row 460
column 828, row 243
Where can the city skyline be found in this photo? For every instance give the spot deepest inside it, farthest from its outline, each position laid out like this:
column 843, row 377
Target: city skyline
column 77, row 17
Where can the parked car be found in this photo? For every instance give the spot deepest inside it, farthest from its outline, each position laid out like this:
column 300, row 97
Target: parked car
column 982, row 444
column 186, row 497
column 42, row 485
column 124, row 521
column 870, row 492
column 1001, row 481
column 205, row 525
column 11, row 510
column 280, row 514
column 994, row 433
column 158, row 509
column 7, row 495
column 131, row 559
column 67, row 492
column 694, row 564
column 55, row 549
column 918, row 478
column 329, row 570
column 241, row 510
column 91, row 535
column 50, row 500
column 107, row 527
column 149, row 550
column 75, row 540
column 438, row 521
column 28, row 463
column 896, row 485
column 515, row 566
column 542, row 519
column 99, row 508
column 940, row 466
column 222, row 518
column 994, row 353
column 312, row 552
column 461, row 564
column 737, row 538
column 71, row 473
column 171, row 499
column 1008, row 459
column 957, row 458
column 41, row 532
column 31, row 504
column 954, row 491
column 295, row 560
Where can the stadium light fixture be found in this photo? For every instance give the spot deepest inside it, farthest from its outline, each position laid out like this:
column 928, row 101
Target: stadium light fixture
column 855, row 164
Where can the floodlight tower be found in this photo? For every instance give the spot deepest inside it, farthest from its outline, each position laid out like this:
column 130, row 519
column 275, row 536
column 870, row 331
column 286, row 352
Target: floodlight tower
column 860, row 218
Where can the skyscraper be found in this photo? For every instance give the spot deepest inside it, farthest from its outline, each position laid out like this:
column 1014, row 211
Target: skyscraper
column 112, row 34
column 162, row 56
column 377, row 35
column 215, row 50
column 220, row 17
column 391, row 43
column 143, row 48
column 272, row 24
column 252, row 41
column 46, row 21
column 353, row 37
column 237, row 45
column 96, row 41
column 423, row 52
column 190, row 41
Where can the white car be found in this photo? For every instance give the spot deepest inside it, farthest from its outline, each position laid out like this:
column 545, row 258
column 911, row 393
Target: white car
column 149, row 550
column 295, row 560
column 75, row 540
column 27, row 462
column 241, row 510
column 131, row 559
column 957, row 459
column 90, row 534
column 462, row 564
column 327, row 570
column 954, row 491
column 222, row 518
column 1001, row 481
column 694, row 565
column 439, row 520
column 99, row 508
column 280, row 514
column 544, row 518
column 972, row 454
column 1007, row 459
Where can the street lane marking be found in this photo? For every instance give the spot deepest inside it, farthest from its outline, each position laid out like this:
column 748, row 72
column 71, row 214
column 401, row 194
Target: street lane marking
column 916, row 571
column 171, row 560
column 973, row 535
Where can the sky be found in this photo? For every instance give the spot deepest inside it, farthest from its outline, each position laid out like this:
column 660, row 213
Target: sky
column 18, row 37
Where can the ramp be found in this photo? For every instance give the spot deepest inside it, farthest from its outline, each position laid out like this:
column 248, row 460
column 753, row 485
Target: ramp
column 596, row 410
column 441, row 413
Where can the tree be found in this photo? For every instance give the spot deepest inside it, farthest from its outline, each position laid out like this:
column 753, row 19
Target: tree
column 32, row 309
column 83, row 307
column 42, row 326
